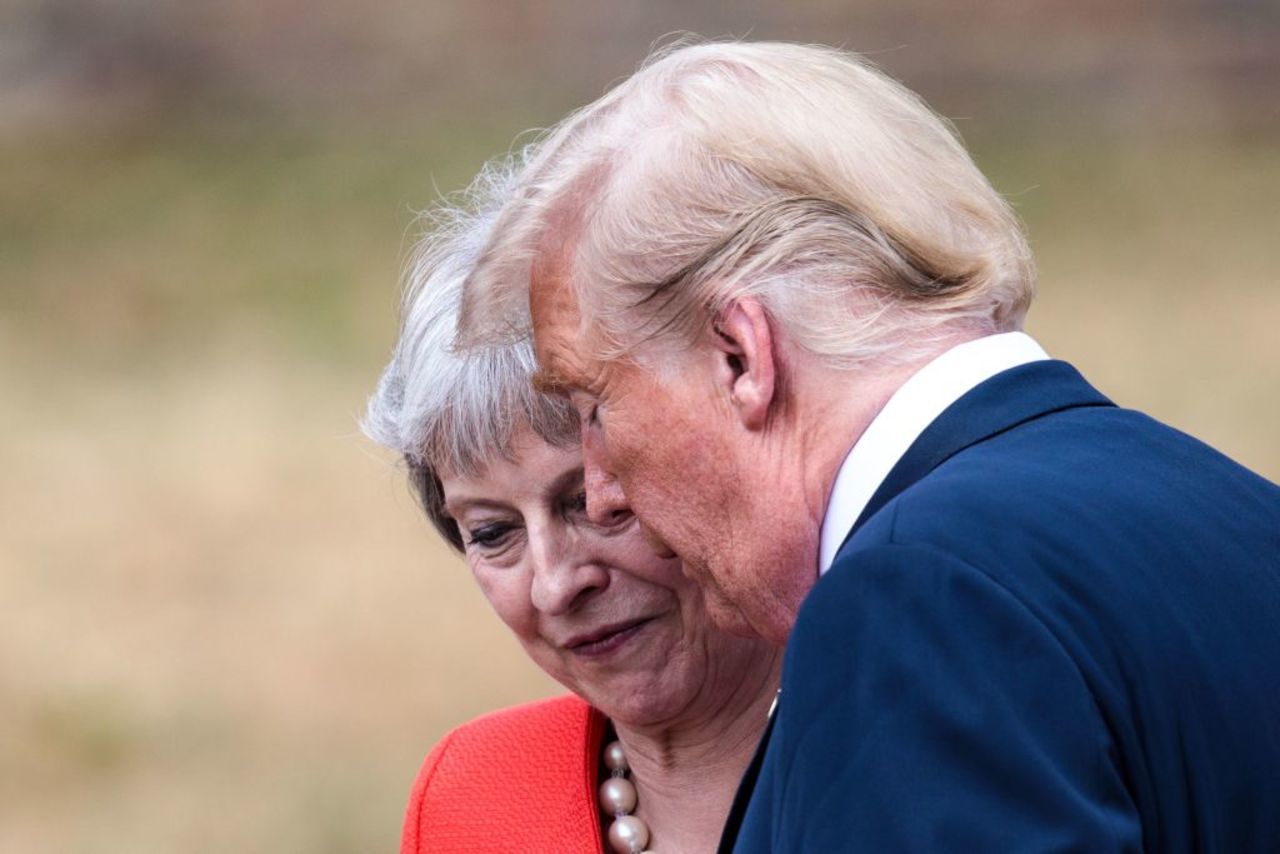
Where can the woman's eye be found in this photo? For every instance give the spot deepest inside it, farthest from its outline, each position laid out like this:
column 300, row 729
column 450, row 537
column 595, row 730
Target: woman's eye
column 488, row 536
column 577, row 503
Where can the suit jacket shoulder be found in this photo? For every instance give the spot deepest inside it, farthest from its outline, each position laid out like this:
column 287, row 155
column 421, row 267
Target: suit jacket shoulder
column 1153, row 563
column 520, row 779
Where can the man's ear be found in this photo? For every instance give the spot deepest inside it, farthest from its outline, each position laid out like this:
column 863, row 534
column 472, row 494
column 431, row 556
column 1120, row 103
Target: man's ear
column 748, row 364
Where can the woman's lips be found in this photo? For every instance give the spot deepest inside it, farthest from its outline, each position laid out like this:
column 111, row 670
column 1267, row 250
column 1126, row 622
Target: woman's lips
column 608, row 640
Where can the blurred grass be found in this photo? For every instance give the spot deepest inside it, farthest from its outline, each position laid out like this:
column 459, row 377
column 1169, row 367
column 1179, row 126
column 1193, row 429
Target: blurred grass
column 225, row 625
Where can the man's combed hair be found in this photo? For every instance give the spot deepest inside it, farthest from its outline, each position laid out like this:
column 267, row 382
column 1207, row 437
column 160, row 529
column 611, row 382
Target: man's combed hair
column 446, row 411
column 800, row 176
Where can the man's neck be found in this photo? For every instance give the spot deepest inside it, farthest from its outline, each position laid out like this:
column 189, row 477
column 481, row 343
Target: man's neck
column 850, row 402
column 919, row 399
column 777, row 542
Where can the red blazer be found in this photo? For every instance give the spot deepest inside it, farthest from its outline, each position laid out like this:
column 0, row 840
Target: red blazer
column 522, row 779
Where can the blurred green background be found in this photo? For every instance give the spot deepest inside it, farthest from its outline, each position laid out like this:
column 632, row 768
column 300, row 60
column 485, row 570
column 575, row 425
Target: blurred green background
column 223, row 626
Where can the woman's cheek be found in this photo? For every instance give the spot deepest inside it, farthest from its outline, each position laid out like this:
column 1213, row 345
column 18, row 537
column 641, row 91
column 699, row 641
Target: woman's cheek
column 508, row 593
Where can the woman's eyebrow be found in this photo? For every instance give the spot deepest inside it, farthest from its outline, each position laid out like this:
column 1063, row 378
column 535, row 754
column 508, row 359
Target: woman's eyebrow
column 459, row 506
column 547, row 382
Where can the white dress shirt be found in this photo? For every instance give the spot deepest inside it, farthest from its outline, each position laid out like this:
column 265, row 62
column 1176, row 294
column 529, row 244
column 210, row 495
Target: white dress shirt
column 911, row 409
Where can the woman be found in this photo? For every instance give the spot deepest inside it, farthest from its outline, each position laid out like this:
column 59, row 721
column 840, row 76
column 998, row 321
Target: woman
column 668, row 709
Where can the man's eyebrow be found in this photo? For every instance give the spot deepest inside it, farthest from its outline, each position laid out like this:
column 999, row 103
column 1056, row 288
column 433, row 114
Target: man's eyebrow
column 569, row 480
column 546, row 382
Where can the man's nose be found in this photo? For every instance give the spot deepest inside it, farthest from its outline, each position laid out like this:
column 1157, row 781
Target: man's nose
column 562, row 577
column 606, row 501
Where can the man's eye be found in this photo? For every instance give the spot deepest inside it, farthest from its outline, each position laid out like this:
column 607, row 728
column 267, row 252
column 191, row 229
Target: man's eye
column 577, row 503
column 588, row 409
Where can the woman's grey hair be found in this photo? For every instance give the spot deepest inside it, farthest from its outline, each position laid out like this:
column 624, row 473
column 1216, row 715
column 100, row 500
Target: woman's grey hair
column 447, row 412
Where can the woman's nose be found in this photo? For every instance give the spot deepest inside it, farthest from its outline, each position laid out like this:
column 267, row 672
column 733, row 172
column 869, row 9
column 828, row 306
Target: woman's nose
column 563, row 575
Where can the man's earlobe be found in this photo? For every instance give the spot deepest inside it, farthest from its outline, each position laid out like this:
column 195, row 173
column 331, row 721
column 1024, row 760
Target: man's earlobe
column 744, row 336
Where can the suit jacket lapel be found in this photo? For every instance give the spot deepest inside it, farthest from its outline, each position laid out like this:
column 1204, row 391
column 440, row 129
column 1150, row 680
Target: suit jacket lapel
column 737, row 812
column 1006, row 400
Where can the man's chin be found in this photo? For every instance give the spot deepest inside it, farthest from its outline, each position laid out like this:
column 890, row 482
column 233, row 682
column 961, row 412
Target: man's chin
column 728, row 617
column 656, row 543
column 721, row 610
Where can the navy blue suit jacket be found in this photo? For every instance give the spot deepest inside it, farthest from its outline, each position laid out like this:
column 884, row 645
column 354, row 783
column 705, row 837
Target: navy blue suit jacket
column 1055, row 628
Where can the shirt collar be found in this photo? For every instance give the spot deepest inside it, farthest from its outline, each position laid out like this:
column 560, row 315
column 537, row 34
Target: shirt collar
column 911, row 409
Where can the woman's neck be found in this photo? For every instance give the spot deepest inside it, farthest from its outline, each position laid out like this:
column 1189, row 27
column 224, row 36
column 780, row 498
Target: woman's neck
column 686, row 772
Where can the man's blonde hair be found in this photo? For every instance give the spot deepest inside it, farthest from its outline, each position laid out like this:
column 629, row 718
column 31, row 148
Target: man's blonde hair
column 800, row 176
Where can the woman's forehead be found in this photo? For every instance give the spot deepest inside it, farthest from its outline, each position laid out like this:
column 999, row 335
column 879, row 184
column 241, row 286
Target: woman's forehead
column 531, row 468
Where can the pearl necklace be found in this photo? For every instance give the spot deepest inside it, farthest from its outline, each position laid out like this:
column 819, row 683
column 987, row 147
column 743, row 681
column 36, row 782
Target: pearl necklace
column 627, row 833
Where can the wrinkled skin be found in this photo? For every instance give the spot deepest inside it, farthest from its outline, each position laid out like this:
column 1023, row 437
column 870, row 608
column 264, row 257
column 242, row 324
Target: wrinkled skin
column 592, row 604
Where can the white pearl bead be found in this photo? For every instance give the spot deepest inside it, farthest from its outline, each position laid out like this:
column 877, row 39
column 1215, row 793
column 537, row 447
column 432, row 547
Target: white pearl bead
column 617, row 796
column 615, row 759
column 628, row 835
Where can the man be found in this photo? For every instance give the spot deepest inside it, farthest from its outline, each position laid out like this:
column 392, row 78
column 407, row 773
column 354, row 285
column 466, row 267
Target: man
column 787, row 306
